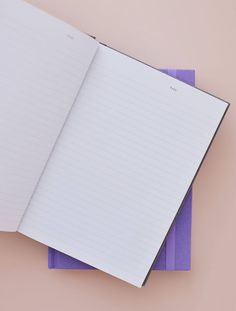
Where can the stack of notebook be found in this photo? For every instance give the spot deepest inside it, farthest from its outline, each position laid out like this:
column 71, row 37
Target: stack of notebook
column 98, row 150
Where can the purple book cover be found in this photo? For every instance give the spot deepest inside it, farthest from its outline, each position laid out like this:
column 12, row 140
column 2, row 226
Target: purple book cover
column 176, row 251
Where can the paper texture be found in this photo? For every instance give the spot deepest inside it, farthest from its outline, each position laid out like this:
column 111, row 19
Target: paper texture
column 42, row 69
column 122, row 166
column 176, row 252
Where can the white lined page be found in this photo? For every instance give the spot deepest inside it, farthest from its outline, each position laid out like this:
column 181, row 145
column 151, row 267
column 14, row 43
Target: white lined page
column 43, row 63
column 122, row 166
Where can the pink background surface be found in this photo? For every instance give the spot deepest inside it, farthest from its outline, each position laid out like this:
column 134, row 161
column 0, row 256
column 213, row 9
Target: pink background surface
column 174, row 34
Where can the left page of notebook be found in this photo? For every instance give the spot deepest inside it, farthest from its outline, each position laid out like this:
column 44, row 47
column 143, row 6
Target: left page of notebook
column 43, row 64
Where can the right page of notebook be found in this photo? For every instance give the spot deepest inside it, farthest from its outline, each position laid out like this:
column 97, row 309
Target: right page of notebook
column 122, row 166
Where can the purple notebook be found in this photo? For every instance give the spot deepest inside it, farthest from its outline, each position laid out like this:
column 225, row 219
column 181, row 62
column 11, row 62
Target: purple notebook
column 175, row 253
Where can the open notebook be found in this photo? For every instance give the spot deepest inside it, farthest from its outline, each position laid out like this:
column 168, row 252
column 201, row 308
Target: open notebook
column 98, row 150
column 175, row 254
